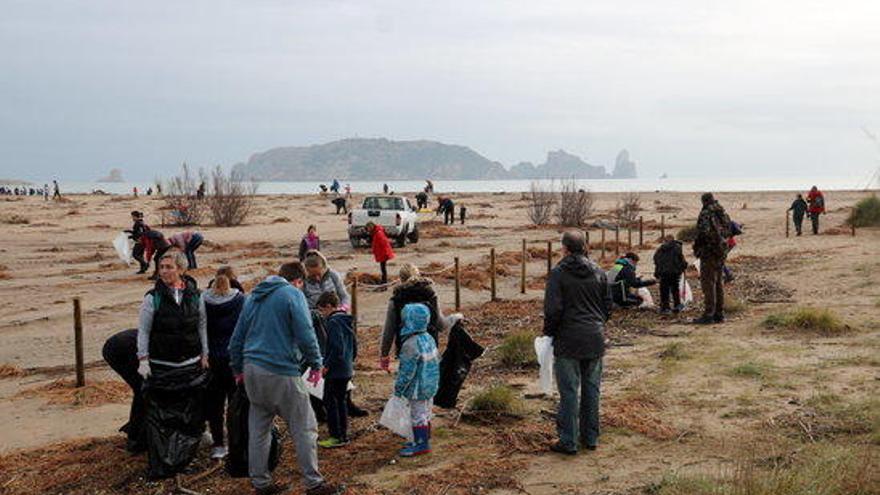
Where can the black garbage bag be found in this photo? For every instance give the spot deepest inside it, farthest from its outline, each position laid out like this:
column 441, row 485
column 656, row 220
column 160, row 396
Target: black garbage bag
column 237, row 432
column 175, row 417
column 455, row 364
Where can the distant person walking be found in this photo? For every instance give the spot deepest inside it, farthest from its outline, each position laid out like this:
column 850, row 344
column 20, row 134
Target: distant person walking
column 57, row 193
column 816, row 201
column 382, row 251
column 798, row 208
column 340, row 204
column 711, row 248
column 45, row 192
column 273, row 343
column 447, row 209
column 577, row 303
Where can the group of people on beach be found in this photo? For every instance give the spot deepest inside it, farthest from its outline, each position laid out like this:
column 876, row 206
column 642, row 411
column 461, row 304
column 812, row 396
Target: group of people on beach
column 295, row 330
column 22, row 190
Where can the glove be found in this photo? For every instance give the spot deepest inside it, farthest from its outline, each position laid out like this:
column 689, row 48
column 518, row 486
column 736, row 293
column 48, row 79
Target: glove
column 314, row 377
column 454, row 318
column 144, row 368
column 385, row 363
column 239, row 378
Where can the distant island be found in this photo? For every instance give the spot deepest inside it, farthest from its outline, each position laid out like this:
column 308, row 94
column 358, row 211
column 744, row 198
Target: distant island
column 383, row 159
column 115, row 175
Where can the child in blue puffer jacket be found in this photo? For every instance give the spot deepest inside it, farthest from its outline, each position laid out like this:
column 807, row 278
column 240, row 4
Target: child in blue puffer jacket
column 418, row 375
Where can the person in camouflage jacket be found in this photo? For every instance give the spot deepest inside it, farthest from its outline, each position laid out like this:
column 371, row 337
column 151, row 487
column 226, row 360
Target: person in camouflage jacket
column 710, row 246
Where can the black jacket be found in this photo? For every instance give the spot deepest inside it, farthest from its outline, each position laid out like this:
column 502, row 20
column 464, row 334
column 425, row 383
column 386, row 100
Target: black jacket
column 175, row 333
column 577, row 303
column 798, row 208
column 669, row 259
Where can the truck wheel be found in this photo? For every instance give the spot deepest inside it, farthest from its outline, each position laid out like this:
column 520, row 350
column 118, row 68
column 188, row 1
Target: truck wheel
column 401, row 239
column 414, row 235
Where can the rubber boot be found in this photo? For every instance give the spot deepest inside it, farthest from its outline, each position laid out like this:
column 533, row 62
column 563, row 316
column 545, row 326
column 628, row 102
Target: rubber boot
column 421, row 442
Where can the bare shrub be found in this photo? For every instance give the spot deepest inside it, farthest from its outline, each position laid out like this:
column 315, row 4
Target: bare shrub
column 231, row 198
column 575, row 205
column 540, row 203
column 628, row 208
column 180, row 198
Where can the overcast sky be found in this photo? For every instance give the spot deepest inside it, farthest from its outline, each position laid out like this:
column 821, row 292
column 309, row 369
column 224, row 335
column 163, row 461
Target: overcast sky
column 692, row 88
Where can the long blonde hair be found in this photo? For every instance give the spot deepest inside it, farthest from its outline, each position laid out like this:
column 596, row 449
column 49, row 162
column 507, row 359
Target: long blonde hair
column 222, row 280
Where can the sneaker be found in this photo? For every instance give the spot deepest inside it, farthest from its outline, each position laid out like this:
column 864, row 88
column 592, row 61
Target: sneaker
column 326, row 489
column 678, row 309
column 333, row 443
column 273, row 489
column 665, row 311
column 703, row 320
column 562, row 449
column 218, row 452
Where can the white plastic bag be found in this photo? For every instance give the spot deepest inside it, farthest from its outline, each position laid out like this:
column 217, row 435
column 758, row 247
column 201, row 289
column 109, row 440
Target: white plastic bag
column 317, row 390
column 122, row 245
column 685, row 292
column 396, row 417
column 544, row 350
column 696, row 265
column 647, row 299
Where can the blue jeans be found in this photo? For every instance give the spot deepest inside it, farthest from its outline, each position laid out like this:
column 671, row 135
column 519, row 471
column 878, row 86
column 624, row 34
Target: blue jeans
column 190, row 251
column 577, row 420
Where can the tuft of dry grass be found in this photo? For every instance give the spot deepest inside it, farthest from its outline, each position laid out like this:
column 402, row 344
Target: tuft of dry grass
column 10, row 371
column 817, row 470
column 640, row 413
column 815, row 320
column 63, row 392
column 517, row 350
column 14, row 219
column 496, row 399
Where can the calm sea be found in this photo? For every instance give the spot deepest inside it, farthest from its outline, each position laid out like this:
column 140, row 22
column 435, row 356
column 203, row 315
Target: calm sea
column 797, row 183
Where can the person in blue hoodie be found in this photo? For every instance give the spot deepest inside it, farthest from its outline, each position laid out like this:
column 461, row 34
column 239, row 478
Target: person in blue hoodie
column 273, row 343
column 418, row 375
column 223, row 305
column 339, row 355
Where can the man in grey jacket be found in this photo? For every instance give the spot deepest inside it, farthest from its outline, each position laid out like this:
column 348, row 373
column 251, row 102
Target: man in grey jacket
column 577, row 303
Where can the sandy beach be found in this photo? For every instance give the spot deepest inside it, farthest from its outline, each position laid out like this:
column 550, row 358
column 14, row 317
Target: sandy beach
column 700, row 416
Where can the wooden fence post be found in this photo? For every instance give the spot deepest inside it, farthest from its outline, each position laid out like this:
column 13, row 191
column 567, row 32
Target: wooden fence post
column 549, row 257
column 617, row 241
column 641, row 231
column 787, row 227
column 852, row 224
column 662, row 226
column 492, row 272
column 603, row 244
column 629, row 238
column 354, row 301
column 522, row 282
column 457, row 286
column 78, row 343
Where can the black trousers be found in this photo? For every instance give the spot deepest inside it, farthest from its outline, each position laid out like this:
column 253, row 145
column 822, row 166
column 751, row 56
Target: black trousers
column 798, row 223
column 814, row 218
column 120, row 352
column 384, row 268
column 462, row 214
column 449, row 216
column 669, row 288
column 137, row 252
column 337, row 407
column 218, row 395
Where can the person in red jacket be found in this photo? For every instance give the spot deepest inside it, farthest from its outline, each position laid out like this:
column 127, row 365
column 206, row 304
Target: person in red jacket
column 816, row 202
column 382, row 251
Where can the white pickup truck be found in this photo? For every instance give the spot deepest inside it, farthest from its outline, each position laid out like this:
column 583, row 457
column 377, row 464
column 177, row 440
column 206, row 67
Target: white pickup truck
column 394, row 213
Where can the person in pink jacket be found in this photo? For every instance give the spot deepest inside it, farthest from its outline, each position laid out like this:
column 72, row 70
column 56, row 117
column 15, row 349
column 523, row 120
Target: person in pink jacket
column 188, row 241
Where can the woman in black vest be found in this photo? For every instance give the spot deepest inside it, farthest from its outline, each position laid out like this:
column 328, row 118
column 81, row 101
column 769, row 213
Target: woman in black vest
column 172, row 346
column 413, row 288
